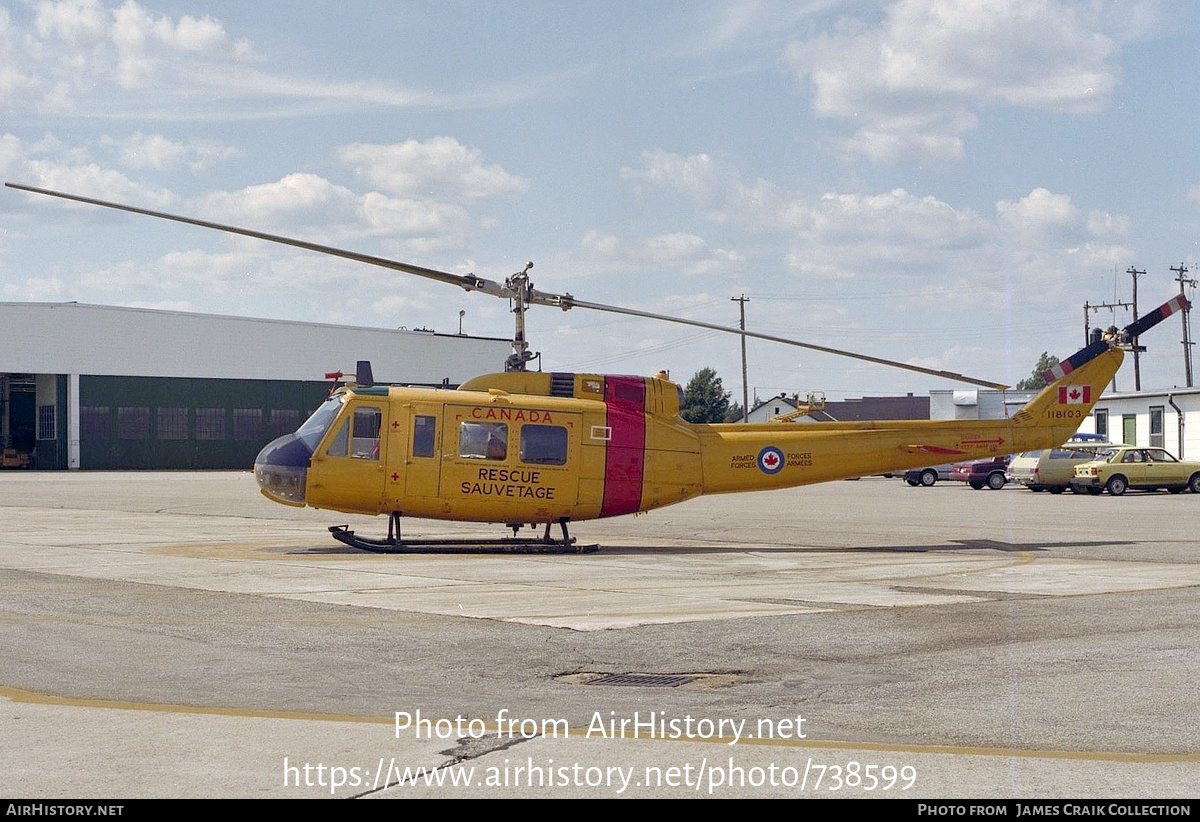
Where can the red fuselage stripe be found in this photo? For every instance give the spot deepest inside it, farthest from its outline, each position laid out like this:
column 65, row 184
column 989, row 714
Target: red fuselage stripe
column 625, row 454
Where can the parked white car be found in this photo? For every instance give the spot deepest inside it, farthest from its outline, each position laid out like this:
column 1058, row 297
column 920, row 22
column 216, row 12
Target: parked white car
column 1053, row 469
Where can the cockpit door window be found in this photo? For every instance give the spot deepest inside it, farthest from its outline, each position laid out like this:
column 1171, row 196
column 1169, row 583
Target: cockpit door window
column 358, row 435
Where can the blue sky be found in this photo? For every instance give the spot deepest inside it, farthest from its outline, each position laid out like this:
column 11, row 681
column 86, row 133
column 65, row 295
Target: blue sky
column 942, row 183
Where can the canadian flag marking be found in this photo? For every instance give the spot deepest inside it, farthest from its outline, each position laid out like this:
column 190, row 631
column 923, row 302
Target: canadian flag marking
column 1074, row 395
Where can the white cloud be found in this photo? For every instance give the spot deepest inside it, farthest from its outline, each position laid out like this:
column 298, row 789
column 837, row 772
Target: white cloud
column 687, row 253
column 895, row 220
column 716, row 187
column 127, row 60
column 1042, row 217
column 601, row 245
column 215, row 272
column 676, row 246
column 35, row 289
column 739, row 24
column 917, row 136
column 78, row 46
column 1105, row 226
column 86, row 56
column 302, row 205
column 913, row 83
column 894, row 217
column 400, row 305
column 14, row 158
column 405, row 217
column 920, row 247
column 154, row 151
column 440, row 168
column 719, row 261
column 18, row 86
column 297, row 199
column 311, row 208
column 75, row 22
column 47, row 165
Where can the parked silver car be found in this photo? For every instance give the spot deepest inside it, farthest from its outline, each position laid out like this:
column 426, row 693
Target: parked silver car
column 927, row 476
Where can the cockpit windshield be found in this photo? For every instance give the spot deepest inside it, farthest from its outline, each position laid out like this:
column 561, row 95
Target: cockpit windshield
column 315, row 426
column 281, row 468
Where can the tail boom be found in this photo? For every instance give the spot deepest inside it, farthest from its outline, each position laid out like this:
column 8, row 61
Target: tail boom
column 740, row 457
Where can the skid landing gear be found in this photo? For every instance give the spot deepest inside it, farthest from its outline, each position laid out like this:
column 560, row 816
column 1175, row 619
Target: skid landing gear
column 394, row 544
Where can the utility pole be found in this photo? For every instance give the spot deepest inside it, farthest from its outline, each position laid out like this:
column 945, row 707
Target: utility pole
column 742, row 300
column 1137, row 363
column 1181, row 269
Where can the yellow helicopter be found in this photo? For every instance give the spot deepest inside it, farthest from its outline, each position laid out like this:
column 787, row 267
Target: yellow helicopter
column 539, row 448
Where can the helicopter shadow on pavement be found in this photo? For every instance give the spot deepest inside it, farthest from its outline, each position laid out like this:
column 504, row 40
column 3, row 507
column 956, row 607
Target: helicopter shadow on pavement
column 651, row 549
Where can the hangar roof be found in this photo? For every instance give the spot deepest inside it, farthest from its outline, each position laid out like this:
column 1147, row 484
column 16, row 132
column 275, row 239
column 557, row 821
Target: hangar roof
column 76, row 338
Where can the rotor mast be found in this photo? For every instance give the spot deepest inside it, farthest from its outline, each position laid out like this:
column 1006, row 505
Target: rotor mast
column 522, row 290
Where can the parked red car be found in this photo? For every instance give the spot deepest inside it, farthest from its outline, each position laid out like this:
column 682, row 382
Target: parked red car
column 981, row 473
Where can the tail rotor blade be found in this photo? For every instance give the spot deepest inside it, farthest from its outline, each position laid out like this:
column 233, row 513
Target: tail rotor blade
column 1126, row 334
column 1147, row 321
column 1077, row 360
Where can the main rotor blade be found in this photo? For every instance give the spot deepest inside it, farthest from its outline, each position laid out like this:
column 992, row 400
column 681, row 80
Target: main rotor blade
column 570, row 302
column 470, row 282
column 467, row 281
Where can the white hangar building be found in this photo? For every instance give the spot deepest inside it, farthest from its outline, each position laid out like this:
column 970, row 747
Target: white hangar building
column 102, row 387
column 1167, row 419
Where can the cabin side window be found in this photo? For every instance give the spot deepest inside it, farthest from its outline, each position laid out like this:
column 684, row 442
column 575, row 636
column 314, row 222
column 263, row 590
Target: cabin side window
column 483, row 440
column 544, row 444
column 424, row 436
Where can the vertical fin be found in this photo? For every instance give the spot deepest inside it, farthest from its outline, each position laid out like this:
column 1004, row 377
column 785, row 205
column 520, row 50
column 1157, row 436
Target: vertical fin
column 1066, row 402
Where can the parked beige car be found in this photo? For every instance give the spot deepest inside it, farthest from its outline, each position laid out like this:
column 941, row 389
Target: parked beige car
column 1053, row 469
column 1127, row 467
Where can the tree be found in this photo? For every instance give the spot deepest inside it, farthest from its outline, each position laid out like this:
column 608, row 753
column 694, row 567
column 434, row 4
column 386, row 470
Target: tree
column 704, row 399
column 1035, row 381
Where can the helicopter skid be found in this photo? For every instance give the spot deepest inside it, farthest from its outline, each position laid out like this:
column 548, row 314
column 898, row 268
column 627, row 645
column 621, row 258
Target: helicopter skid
column 501, row 545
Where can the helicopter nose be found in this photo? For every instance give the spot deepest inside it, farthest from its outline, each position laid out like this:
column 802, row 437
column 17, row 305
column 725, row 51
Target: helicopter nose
column 281, row 469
